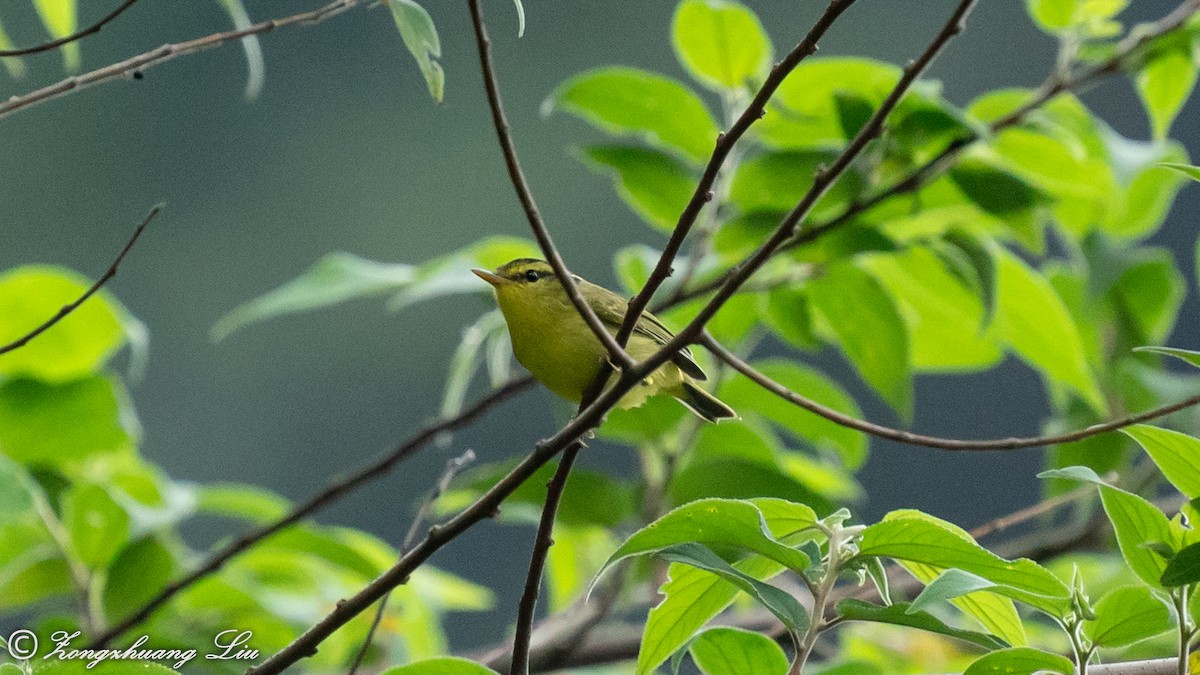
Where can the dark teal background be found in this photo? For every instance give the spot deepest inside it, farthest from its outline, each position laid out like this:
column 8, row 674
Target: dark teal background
column 345, row 151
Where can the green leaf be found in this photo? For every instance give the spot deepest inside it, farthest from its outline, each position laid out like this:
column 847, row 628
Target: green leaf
column 78, row 345
column 1139, row 525
column 450, row 273
column 1053, row 15
column 1166, row 80
column 628, row 101
column 61, row 18
column 1125, row 616
column 1175, row 454
column 1020, row 661
column 1151, row 292
column 777, row 601
column 97, row 525
column 138, row 573
column 1032, row 319
column 804, row 113
column 633, row 264
column 1192, row 172
column 776, row 181
column 653, row 183
column 734, row 651
column 590, row 497
column 420, row 36
column 577, row 554
column 995, row 190
column 902, row 614
column 869, row 329
column 1186, row 355
column 445, row 665
column 1183, row 569
column 923, row 539
column 16, row 496
column 948, row 585
column 721, row 43
column 335, row 278
column 737, row 525
column 64, row 423
column 691, row 597
column 246, row 502
column 754, row 401
column 12, row 64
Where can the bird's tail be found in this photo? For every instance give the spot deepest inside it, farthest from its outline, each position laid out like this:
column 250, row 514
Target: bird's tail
column 703, row 403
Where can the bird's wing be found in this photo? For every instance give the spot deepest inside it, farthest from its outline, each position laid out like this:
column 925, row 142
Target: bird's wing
column 611, row 308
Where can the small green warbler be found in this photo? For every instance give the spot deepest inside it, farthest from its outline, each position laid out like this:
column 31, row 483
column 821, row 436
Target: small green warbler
column 554, row 343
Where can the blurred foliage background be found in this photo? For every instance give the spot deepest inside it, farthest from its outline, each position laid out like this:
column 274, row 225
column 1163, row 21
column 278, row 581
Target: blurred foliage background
column 343, row 150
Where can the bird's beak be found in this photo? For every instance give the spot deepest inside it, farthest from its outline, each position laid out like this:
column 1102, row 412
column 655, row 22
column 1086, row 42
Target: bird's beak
column 493, row 279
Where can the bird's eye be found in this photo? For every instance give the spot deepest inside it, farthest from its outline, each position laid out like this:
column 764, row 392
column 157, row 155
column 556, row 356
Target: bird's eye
column 532, row 275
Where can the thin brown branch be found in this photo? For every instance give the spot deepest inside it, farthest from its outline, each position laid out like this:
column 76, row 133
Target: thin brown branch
column 109, row 274
column 167, row 52
column 910, row 438
column 54, row 44
column 331, row 493
column 724, row 145
column 516, row 175
column 541, row 549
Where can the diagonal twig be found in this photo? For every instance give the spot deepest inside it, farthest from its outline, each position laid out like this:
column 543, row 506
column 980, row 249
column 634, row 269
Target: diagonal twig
column 517, row 176
column 78, row 35
column 109, row 274
column 910, row 438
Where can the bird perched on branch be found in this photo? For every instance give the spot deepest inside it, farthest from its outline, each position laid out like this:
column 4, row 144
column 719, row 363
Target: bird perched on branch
column 556, row 345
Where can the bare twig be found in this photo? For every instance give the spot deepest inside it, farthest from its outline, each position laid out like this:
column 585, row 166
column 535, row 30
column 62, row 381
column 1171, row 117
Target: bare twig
column 54, row 44
column 109, row 274
column 725, row 142
column 142, row 62
column 335, row 491
column 517, row 176
column 453, row 466
column 952, row 444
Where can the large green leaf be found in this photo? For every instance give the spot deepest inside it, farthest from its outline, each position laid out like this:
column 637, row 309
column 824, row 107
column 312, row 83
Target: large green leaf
column 421, row 37
column 139, row 571
column 735, row 651
column 1032, row 319
column 631, row 101
column 1020, row 661
column 868, row 326
column 1125, row 616
column 721, row 43
column 98, row 527
column 754, row 401
column 804, row 113
column 247, row 502
column 902, row 614
column 77, row 345
column 653, row 183
column 1177, row 455
column 1183, row 569
column 777, row 181
column 1166, row 79
column 1140, row 527
column 65, row 423
column 61, row 18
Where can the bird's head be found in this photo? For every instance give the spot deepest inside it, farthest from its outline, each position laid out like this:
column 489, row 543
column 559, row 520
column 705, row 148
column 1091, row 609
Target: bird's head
column 527, row 280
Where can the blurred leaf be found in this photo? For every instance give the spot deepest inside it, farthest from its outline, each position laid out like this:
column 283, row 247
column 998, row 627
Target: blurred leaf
column 902, row 614
column 754, row 401
column 335, row 278
column 627, row 101
column 653, row 183
column 243, row 501
column 1053, row 15
column 648, row 423
column 1183, row 569
column 138, row 573
column 1151, row 292
column 590, row 497
column 1175, row 454
column 61, row 18
column 1139, row 525
column 776, row 181
column 1192, row 172
column 1020, row 661
column 450, row 274
column 250, row 46
column 577, row 554
column 691, row 597
column 924, row 539
column 1125, row 616
column 1166, row 80
column 520, row 18
column 804, row 111
column 97, row 525
column 420, row 36
column 633, row 265
column 14, row 65
column 725, row 523
column 979, row 272
column 1033, row 320
column 721, row 43
column 948, row 585
column 16, row 497
column 38, row 573
column 870, row 330
column 735, row 651
column 777, row 601
column 445, row 665
column 1185, row 355
column 788, row 313
column 1145, row 193
column 467, row 358
column 710, row 478
column 62, row 424
column 994, row 189
column 77, row 345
